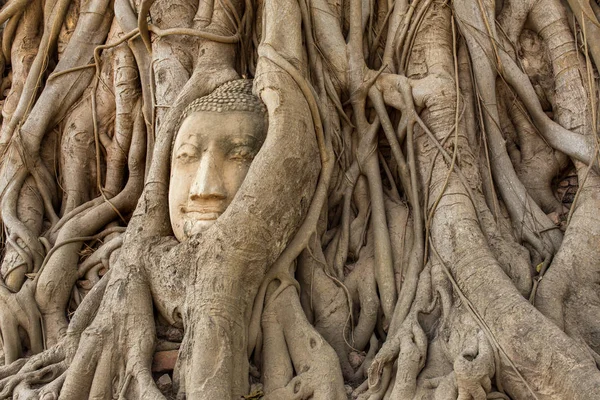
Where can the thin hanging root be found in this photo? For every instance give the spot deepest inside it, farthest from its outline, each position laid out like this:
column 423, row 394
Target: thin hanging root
column 143, row 23
column 144, row 29
column 393, row 193
column 379, row 104
column 383, row 253
column 375, row 43
column 396, row 36
column 55, row 75
column 584, row 12
column 235, row 38
column 343, row 243
column 411, row 35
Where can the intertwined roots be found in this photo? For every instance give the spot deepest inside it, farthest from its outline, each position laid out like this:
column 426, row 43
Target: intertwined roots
column 421, row 221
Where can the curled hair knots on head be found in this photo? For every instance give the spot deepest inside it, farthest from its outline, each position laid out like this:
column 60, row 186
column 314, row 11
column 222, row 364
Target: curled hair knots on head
column 231, row 96
column 234, row 95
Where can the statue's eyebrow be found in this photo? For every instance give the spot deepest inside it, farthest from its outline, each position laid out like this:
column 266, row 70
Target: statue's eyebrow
column 187, row 143
column 245, row 139
column 233, row 142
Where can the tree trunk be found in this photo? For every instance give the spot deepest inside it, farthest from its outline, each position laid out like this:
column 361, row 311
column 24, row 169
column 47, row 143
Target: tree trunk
column 419, row 221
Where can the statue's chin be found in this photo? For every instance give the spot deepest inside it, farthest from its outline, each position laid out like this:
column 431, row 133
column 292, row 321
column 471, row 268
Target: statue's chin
column 191, row 228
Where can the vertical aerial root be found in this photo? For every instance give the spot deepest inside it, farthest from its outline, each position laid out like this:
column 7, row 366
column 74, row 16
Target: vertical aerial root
column 19, row 232
column 316, row 364
column 277, row 369
column 362, row 286
column 538, row 164
column 20, row 258
column 78, row 170
column 127, row 110
column 358, row 226
column 327, row 301
column 407, row 345
column 52, row 25
column 26, row 30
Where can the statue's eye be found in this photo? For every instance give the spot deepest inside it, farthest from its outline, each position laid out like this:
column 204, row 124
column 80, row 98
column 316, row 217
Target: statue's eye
column 186, row 157
column 241, row 153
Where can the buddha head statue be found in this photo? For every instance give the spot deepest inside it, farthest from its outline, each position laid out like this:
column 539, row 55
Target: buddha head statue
column 219, row 136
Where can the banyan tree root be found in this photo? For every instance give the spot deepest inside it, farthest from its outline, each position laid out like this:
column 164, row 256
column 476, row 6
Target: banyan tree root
column 425, row 250
column 45, row 372
column 345, row 311
column 20, row 313
column 291, row 343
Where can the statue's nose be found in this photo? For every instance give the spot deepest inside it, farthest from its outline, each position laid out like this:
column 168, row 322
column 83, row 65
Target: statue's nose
column 208, row 182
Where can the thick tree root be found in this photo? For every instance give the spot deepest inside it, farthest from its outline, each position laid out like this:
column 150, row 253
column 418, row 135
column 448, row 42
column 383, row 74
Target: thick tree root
column 318, row 375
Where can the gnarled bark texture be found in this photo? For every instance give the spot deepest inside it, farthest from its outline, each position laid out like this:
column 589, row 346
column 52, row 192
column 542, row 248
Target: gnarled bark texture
column 421, row 221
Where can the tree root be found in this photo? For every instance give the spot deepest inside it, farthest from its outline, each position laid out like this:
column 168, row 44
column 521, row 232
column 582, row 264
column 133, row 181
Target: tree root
column 318, row 373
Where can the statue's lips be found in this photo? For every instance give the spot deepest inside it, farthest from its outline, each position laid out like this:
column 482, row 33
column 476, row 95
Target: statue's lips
column 202, row 214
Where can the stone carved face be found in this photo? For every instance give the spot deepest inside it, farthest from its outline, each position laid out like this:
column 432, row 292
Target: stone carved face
column 211, row 156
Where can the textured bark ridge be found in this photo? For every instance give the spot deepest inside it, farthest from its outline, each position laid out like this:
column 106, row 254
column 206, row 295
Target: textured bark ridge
column 300, row 199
